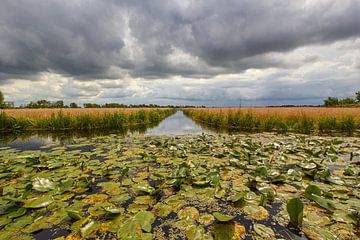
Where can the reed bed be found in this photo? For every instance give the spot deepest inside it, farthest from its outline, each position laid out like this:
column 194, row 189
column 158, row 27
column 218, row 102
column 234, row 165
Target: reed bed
column 61, row 119
column 298, row 119
column 48, row 112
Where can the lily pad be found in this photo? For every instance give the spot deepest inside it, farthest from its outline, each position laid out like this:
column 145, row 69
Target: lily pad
column 256, row 212
column 88, row 229
column 223, row 231
column 75, row 215
column 43, row 184
column 189, row 213
column 324, row 203
column 38, row 202
column 4, row 220
column 263, row 231
column 18, row 213
column 145, row 219
column 223, row 217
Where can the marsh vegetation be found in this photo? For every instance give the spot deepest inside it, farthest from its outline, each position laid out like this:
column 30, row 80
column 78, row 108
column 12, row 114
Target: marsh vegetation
column 79, row 119
column 296, row 119
column 187, row 186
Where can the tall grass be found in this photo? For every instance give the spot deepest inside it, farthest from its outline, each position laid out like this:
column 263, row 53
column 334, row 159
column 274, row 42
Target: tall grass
column 301, row 120
column 61, row 120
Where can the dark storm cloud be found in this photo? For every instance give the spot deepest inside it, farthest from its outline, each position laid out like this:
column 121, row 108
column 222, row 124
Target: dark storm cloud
column 73, row 37
column 225, row 33
column 84, row 38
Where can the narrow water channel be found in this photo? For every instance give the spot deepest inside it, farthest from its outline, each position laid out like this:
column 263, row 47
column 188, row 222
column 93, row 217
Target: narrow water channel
column 177, row 124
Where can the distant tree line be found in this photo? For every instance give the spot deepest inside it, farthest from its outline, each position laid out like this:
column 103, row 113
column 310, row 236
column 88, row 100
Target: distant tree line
column 44, row 104
column 60, row 104
column 120, row 105
column 342, row 102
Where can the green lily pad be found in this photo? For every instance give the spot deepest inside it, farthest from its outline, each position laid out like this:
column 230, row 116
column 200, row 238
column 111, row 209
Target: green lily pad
column 89, row 228
column 75, row 215
column 324, row 203
column 113, row 210
column 263, row 231
column 261, row 171
column 223, row 217
column 129, row 230
column 146, row 188
column 4, row 220
column 189, row 213
column 5, row 175
column 206, row 219
column 66, row 185
column 18, row 213
column 223, row 231
column 145, row 219
column 22, row 222
column 38, row 202
column 161, row 209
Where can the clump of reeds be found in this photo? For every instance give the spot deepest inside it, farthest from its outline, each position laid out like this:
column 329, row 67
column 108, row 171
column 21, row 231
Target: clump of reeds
column 61, row 120
column 301, row 120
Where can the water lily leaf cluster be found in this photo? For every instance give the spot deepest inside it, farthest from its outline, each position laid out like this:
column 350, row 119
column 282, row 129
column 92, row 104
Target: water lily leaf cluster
column 183, row 187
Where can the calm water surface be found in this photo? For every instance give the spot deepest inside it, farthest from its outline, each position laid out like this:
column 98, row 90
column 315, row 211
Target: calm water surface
column 177, row 124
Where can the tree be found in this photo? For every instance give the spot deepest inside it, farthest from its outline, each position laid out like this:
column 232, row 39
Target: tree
column 358, row 96
column 347, row 101
column 73, row 105
column 1, row 98
column 91, row 105
column 58, row 104
column 331, row 101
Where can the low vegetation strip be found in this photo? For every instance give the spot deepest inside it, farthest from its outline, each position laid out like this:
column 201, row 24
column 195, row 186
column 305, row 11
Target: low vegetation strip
column 60, row 119
column 301, row 120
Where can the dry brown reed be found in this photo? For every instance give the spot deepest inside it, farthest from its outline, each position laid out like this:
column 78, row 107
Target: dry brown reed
column 48, row 112
column 313, row 112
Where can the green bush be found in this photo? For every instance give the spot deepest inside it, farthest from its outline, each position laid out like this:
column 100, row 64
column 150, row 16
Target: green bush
column 347, row 124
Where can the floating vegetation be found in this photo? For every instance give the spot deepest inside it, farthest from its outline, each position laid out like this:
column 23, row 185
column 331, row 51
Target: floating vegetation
column 259, row 186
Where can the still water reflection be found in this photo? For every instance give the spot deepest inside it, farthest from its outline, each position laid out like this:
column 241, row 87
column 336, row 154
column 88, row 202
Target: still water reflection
column 177, row 124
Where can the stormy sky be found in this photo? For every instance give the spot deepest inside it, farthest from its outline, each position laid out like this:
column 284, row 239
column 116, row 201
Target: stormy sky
column 199, row 52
